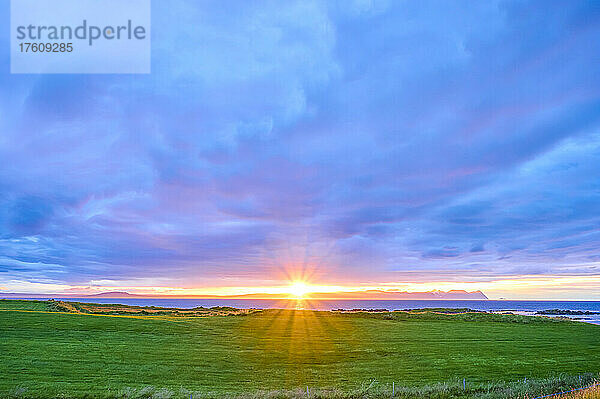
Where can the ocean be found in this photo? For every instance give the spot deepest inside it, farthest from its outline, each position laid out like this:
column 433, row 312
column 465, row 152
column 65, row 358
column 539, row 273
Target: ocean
column 519, row 307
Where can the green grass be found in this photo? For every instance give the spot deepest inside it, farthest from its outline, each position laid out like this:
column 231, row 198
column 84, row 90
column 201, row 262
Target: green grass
column 45, row 353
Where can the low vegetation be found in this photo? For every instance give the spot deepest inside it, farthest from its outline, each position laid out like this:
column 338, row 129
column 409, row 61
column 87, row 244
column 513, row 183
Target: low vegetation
column 577, row 387
column 74, row 350
column 566, row 312
column 115, row 309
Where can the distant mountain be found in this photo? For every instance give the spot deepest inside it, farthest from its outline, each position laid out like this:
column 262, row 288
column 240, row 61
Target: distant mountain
column 400, row 295
column 361, row 295
column 114, row 294
column 374, row 295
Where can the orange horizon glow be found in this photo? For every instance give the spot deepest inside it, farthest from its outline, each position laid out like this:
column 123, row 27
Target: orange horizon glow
column 546, row 287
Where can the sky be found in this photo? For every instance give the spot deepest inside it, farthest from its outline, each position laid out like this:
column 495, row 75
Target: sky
column 402, row 145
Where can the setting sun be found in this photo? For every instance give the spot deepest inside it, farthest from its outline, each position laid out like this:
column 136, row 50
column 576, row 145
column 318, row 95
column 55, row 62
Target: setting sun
column 299, row 289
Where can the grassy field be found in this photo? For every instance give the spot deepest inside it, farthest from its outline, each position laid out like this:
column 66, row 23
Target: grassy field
column 49, row 350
